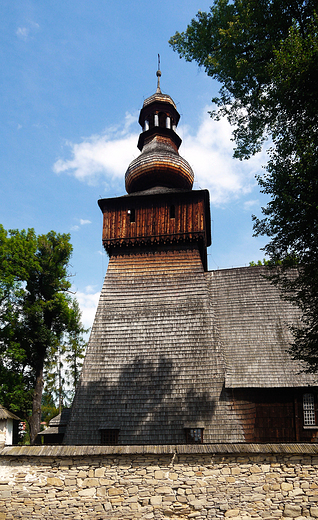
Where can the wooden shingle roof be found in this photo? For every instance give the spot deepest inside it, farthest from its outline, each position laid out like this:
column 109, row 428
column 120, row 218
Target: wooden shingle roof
column 154, row 364
column 5, row 414
column 254, row 329
column 58, row 423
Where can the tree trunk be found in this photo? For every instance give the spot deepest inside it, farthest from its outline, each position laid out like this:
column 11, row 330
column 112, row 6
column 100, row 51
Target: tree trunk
column 35, row 419
column 59, row 379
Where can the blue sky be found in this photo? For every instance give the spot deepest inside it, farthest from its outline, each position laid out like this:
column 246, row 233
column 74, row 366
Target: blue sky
column 74, row 76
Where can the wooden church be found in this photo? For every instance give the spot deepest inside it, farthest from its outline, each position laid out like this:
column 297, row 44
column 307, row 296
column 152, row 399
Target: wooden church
column 179, row 354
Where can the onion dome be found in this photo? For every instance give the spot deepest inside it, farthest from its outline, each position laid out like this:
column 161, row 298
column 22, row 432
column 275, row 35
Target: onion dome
column 159, row 163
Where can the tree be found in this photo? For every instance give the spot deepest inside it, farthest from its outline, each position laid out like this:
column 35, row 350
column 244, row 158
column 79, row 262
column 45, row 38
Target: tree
column 75, row 347
column 65, row 360
column 265, row 54
column 35, row 311
column 236, row 43
column 49, row 410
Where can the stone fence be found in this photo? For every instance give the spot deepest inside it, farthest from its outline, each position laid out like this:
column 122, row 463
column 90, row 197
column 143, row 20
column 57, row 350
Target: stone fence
column 204, row 482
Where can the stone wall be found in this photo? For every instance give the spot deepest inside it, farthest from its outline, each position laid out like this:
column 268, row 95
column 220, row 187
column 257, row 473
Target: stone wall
column 160, row 482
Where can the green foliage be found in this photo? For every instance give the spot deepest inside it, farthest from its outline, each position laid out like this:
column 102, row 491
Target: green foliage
column 265, row 54
column 235, row 43
column 259, row 263
column 65, row 360
column 49, row 410
column 265, row 262
column 36, row 311
column 75, row 347
column 291, row 217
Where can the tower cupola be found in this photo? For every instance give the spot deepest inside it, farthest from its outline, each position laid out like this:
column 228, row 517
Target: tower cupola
column 159, row 163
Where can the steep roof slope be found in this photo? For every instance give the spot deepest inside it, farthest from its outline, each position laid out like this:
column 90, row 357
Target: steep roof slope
column 154, row 364
column 5, row 414
column 254, row 328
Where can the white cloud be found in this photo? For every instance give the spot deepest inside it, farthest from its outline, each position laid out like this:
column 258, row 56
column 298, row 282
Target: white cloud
column 210, row 153
column 251, row 203
column 82, row 222
column 102, row 156
column 208, row 149
column 88, row 302
column 24, row 32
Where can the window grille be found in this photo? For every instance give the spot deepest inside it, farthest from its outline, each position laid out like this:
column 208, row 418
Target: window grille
column 309, row 410
column 109, row 437
column 194, row 435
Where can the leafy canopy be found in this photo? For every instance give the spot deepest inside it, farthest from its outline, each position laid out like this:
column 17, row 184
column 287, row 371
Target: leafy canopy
column 265, row 54
column 36, row 311
column 235, row 43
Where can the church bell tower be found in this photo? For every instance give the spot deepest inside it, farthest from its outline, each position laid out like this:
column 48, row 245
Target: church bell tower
column 161, row 209
column 154, row 372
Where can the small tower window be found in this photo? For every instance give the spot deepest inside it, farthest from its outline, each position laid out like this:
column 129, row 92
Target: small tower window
column 109, row 437
column 132, row 216
column 309, row 410
column 172, row 211
column 194, row 435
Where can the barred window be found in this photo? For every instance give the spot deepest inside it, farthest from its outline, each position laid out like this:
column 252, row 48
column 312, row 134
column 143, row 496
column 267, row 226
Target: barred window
column 109, row 437
column 309, row 410
column 194, row 435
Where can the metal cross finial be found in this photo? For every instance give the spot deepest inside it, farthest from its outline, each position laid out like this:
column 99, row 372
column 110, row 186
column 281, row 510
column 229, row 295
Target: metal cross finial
column 158, row 75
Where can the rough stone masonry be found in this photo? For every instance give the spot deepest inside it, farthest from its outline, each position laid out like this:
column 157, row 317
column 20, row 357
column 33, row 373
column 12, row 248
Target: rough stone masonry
column 160, row 482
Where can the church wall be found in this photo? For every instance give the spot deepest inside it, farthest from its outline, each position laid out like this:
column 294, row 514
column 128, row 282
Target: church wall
column 175, row 482
column 273, row 415
column 135, row 220
column 153, row 368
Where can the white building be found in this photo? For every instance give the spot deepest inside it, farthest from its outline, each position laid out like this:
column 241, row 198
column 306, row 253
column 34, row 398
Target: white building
column 8, row 427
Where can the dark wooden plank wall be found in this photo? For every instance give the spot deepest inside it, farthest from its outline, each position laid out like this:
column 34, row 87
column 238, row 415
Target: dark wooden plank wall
column 273, row 415
column 153, row 221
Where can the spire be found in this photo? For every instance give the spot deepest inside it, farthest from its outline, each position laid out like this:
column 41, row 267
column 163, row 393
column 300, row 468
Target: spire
column 158, row 91
column 159, row 163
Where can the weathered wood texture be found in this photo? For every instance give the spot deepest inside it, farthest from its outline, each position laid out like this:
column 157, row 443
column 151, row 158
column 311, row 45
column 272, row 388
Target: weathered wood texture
column 154, row 364
column 272, row 415
column 159, row 164
column 169, row 217
column 169, row 351
column 254, row 327
column 254, row 331
column 215, row 449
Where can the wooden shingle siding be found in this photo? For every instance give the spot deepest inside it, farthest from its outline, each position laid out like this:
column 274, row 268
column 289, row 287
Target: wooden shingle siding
column 154, row 362
column 151, row 169
column 254, row 326
column 173, row 347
